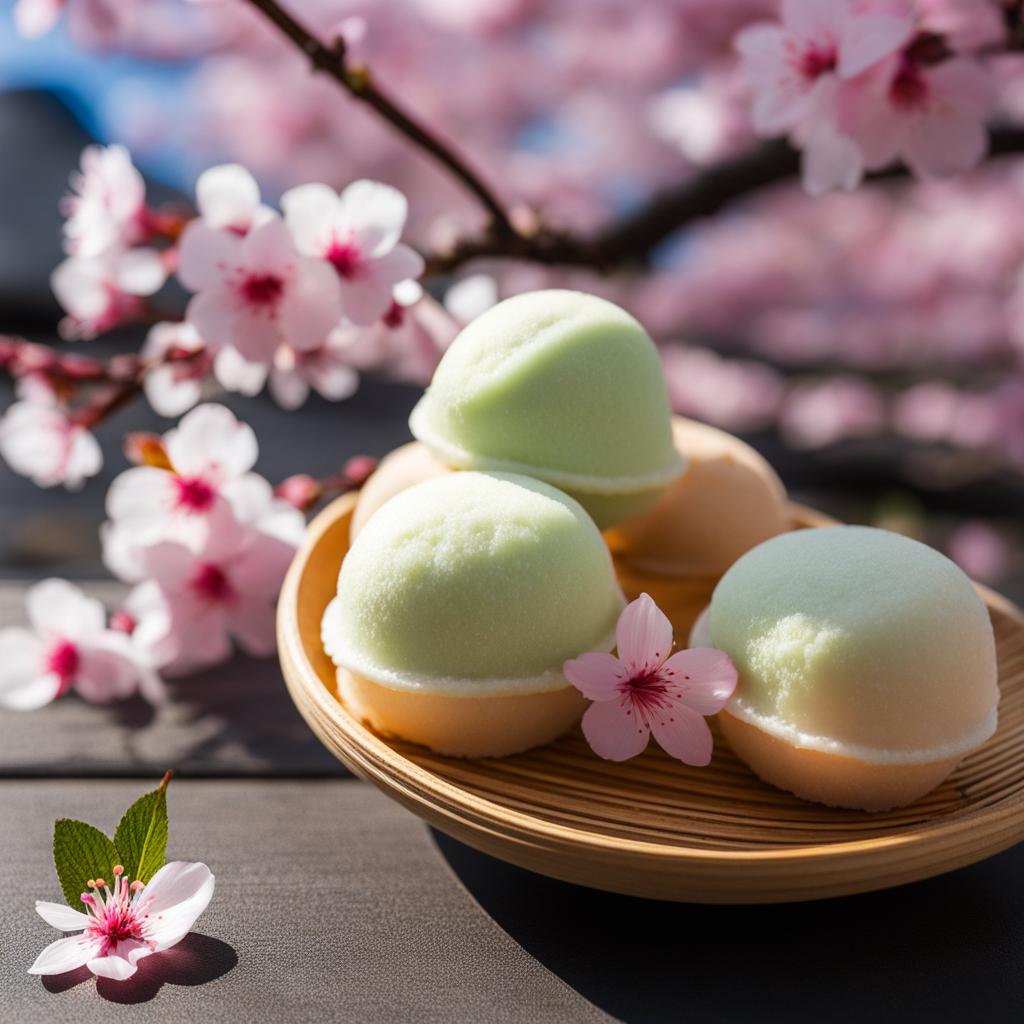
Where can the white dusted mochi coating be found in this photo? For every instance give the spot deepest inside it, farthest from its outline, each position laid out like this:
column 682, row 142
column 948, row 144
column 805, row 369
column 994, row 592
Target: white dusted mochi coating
column 473, row 584
column 860, row 642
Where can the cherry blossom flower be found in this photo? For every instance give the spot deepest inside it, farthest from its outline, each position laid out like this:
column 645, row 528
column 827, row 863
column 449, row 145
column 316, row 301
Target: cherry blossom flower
column 930, row 116
column 125, row 922
column 107, row 207
column 796, row 70
column 39, row 440
column 209, row 487
column 228, row 197
column 69, row 647
column 256, row 293
column 647, row 689
column 174, row 387
column 357, row 233
column 102, row 292
column 223, row 589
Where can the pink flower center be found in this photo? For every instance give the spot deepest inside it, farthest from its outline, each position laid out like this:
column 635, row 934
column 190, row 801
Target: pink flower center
column 212, row 584
column 909, row 88
column 194, row 494
column 395, row 316
column 648, row 693
column 114, row 914
column 345, row 257
column 262, row 289
column 816, row 59
column 63, row 661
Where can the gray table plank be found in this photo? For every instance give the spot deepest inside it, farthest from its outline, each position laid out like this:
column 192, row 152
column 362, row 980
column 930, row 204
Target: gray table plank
column 332, row 904
column 235, row 719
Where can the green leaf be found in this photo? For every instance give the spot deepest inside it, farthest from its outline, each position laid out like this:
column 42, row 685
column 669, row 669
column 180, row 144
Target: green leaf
column 81, row 853
column 141, row 836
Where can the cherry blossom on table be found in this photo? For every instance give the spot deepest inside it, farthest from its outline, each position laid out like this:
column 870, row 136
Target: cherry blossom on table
column 68, row 646
column 125, row 921
column 646, row 689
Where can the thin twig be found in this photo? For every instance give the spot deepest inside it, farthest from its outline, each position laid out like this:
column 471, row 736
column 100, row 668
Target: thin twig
column 632, row 239
column 357, row 81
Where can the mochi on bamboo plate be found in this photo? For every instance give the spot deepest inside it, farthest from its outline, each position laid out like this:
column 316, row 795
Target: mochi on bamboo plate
column 653, row 826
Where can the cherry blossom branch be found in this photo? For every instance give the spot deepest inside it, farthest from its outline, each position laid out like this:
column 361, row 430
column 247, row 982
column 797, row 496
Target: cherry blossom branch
column 121, row 377
column 632, row 239
column 357, row 81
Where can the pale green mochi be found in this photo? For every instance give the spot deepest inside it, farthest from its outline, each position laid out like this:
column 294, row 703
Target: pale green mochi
column 858, row 641
column 474, row 583
column 561, row 386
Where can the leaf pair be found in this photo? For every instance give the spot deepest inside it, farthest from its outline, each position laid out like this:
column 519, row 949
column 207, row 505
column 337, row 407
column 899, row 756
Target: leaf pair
column 82, row 853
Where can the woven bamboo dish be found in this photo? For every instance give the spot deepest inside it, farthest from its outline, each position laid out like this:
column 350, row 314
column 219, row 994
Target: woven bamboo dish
column 652, row 826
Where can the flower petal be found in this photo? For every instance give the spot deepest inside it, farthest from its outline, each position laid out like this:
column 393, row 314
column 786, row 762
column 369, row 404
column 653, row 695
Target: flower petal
column 122, row 961
column 867, row 39
column 58, row 608
column 210, row 440
column 65, row 955
column 706, row 676
column 32, row 694
column 142, row 492
column 311, row 309
column 311, row 212
column 683, row 734
column 22, row 660
column 235, row 373
column 60, row 916
column 365, row 300
column 597, row 675
column 227, row 196
column 643, row 636
column 375, row 213
column 206, row 255
column 176, row 895
column 614, row 730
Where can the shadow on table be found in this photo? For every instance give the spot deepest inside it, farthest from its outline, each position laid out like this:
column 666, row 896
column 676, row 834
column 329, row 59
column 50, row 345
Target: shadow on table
column 948, row 948
column 196, row 960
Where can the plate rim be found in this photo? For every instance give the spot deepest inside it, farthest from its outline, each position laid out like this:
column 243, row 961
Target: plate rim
column 437, row 799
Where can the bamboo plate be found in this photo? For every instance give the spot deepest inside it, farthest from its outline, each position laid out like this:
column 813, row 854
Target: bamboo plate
column 652, row 826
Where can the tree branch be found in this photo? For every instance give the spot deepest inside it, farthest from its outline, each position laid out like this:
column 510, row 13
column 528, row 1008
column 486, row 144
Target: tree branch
column 357, row 82
column 632, row 239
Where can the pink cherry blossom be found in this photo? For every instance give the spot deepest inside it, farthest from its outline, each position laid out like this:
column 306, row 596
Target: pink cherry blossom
column 107, row 207
column 931, row 116
column 208, row 489
column 174, row 387
column 102, row 292
column 125, row 922
column 223, row 589
column 228, row 197
column 256, row 293
column 798, row 69
column 38, row 439
column 648, row 689
column 357, row 233
column 68, row 646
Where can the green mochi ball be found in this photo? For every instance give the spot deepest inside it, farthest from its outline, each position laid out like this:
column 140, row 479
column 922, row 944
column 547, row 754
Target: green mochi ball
column 858, row 641
column 561, row 386
column 474, row 582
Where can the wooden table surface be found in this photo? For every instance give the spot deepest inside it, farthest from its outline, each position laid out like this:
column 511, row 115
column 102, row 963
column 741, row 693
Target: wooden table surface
column 334, row 904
